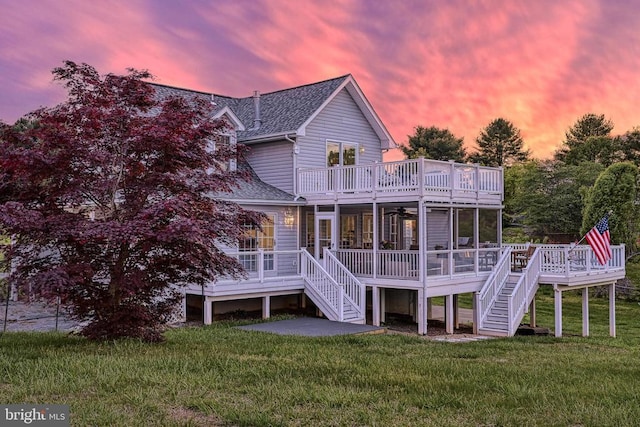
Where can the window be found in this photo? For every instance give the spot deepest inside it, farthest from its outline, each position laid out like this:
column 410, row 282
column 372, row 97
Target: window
column 224, row 142
column 410, row 233
column 393, row 231
column 347, row 231
column 255, row 239
column 341, row 153
column 311, row 236
column 367, row 231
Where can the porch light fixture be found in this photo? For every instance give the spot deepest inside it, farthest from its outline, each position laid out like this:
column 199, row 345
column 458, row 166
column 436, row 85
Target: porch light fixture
column 289, row 219
column 361, row 149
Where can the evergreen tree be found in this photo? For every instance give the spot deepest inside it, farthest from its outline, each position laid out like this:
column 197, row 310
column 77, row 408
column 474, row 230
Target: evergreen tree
column 500, row 144
column 629, row 145
column 589, row 140
column 434, row 143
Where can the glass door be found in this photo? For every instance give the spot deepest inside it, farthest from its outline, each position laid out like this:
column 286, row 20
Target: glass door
column 325, row 233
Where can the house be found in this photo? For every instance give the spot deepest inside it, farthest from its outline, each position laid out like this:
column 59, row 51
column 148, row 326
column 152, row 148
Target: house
column 359, row 237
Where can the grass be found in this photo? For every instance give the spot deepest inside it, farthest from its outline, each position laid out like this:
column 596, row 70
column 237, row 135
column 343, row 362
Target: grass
column 220, row 375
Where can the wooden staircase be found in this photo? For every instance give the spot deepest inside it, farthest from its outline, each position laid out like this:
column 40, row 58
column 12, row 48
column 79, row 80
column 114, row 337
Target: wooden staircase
column 505, row 297
column 496, row 321
column 334, row 289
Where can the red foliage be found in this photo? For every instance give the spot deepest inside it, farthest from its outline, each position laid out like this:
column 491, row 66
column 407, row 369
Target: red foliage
column 141, row 168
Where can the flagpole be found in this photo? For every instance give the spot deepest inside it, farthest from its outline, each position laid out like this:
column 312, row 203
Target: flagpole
column 579, row 241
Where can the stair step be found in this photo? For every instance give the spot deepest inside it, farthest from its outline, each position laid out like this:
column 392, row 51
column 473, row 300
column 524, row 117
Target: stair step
column 496, row 326
column 498, row 318
column 492, row 332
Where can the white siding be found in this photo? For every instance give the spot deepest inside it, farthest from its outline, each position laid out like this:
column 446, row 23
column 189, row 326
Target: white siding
column 341, row 120
column 273, row 162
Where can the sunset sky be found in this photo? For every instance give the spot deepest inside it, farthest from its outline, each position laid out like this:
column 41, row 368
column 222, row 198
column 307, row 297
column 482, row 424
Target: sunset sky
column 455, row 64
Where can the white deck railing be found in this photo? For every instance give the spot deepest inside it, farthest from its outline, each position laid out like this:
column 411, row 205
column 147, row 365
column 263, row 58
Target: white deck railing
column 405, row 264
column 260, row 264
column 572, row 261
column 354, row 290
column 416, row 175
column 523, row 292
column 489, row 292
column 561, row 261
column 329, row 291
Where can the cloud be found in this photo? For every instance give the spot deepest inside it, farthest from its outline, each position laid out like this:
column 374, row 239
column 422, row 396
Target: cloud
column 454, row 64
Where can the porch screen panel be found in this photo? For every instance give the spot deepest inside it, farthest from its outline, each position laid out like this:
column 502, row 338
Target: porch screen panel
column 465, row 226
column 438, row 229
column 489, row 226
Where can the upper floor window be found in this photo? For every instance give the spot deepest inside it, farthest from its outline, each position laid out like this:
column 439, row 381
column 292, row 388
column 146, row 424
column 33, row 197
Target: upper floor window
column 341, row 153
column 228, row 142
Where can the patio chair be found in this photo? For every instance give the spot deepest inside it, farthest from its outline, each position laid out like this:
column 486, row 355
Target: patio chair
column 522, row 258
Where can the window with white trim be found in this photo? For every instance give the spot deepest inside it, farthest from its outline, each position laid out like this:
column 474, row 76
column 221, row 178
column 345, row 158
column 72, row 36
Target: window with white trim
column 255, row 239
column 341, row 153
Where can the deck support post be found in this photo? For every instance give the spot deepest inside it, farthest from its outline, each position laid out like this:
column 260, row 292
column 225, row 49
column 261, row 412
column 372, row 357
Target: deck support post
column 413, row 306
column 375, row 305
column 448, row 313
column 303, row 300
column 456, row 312
column 383, row 305
column 422, row 313
column 476, row 313
column 207, row 311
column 266, row 307
column 557, row 297
column 532, row 313
column 612, row 310
column 585, row 312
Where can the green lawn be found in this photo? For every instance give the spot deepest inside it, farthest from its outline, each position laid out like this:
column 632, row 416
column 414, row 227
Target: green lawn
column 220, row 375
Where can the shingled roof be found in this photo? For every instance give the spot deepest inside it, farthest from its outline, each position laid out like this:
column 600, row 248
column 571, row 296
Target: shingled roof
column 283, row 111
column 256, row 191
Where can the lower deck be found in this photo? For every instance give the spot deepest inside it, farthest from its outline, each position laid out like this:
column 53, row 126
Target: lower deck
column 395, row 282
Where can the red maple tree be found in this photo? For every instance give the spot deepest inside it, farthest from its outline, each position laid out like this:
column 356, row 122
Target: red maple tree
column 111, row 198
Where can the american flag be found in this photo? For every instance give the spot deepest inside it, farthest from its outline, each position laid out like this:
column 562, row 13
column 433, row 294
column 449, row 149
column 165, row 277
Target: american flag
column 599, row 239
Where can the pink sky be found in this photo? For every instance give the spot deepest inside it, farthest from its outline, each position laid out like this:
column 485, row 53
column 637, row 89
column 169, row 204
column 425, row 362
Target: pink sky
column 455, row 64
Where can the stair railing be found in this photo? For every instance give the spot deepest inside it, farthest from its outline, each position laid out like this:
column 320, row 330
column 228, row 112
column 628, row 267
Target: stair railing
column 354, row 290
column 485, row 298
column 322, row 286
column 525, row 289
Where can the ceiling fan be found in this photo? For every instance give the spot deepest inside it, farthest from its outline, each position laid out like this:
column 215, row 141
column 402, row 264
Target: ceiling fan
column 402, row 213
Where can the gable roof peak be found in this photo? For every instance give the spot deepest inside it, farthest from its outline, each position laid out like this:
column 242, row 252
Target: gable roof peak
column 343, row 77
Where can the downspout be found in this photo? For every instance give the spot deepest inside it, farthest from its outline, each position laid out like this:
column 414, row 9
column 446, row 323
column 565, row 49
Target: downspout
column 295, row 189
column 295, row 165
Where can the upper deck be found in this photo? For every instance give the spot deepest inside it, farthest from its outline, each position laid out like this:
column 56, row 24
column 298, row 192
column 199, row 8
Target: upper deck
column 429, row 180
